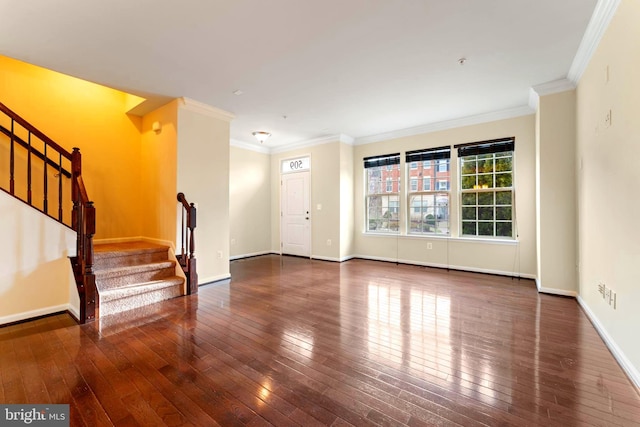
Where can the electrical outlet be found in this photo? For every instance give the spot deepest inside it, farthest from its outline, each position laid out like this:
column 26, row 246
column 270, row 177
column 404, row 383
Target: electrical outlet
column 233, row 242
column 328, row 242
column 219, row 254
column 607, row 295
column 429, row 245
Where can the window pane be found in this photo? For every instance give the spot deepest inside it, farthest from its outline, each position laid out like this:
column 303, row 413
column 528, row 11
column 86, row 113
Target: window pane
column 485, row 198
column 468, row 182
column 469, row 228
column 468, row 166
column 503, row 229
column 504, row 164
column 485, row 229
column 503, row 180
column 503, row 197
column 485, row 181
column 503, row 212
column 468, row 213
column 485, row 214
column 469, row 198
column 486, row 165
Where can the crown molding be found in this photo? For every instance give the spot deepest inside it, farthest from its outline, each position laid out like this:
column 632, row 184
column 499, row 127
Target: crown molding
column 555, row 86
column 534, row 99
column 604, row 11
column 510, row 113
column 346, row 139
column 205, row 109
column 247, row 146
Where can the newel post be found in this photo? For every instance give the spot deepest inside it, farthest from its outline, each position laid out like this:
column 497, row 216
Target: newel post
column 193, row 274
column 76, row 170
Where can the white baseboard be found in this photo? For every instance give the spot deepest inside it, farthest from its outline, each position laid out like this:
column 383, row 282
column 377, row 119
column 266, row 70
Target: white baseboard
column 17, row 317
column 450, row 267
column 234, row 257
column 554, row 291
column 626, row 365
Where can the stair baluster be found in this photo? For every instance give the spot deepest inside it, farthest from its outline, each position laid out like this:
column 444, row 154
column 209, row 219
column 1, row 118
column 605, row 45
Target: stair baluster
column 82, row 217
column 187, row 259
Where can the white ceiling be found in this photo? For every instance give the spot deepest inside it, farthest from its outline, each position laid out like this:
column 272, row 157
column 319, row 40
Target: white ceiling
column 353, row 67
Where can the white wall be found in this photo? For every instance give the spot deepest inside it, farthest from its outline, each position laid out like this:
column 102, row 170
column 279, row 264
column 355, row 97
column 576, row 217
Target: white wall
column 35, row 273
column 517, row 258
column 249, row 202
column 608, row 178
column 203, row 176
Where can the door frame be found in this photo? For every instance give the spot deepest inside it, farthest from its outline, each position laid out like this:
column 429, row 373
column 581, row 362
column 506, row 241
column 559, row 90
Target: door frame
column 280, row 207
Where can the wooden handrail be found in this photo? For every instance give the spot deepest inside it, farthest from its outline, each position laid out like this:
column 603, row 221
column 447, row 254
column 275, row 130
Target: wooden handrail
column 28, row 126
column 187, row 256
column 83, row 215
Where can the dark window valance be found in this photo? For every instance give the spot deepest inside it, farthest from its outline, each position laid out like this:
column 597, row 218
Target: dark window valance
column 486, row 147
column 438, row 153
column 384, row 160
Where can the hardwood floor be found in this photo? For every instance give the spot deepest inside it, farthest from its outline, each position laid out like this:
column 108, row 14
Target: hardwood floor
column 297, row 342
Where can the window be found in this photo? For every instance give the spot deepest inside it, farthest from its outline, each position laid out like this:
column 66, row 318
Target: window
column 486, row 183
column 426, row 184
column 414, row 184
column 383, row 193
column 414, row 165
column 429, row 210
column 443, row 185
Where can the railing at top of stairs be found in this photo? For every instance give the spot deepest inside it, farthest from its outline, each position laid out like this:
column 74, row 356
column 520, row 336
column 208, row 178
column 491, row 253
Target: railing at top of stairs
column 187, row 256
column 38, row 168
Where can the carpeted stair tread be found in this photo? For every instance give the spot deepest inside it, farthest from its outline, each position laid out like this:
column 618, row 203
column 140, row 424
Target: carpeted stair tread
column 132, row 269
column 134, row 274
column 138, row 288
column 107, row 255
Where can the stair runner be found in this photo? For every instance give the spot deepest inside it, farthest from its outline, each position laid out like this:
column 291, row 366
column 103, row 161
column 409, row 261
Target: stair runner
column 134, row 274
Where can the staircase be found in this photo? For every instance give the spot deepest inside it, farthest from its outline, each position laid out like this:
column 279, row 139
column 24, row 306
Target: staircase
column 110, row 278
column 134, row 274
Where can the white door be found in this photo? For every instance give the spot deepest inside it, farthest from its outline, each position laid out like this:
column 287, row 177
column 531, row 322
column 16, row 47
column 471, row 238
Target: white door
column 295, row 210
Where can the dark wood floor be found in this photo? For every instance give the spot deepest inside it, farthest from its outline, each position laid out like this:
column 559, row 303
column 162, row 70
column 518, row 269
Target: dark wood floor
column 296, row 342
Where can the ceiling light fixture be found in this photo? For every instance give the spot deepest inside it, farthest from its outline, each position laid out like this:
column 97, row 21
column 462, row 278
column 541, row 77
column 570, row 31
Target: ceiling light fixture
column 261, row 136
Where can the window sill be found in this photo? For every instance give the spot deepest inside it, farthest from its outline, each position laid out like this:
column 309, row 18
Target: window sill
column 491, row 241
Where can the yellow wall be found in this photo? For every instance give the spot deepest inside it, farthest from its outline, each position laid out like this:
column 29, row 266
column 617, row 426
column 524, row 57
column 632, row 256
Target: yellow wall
column 608, row 179
column 77, row 113
column 158, row 177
